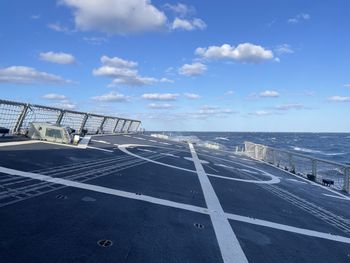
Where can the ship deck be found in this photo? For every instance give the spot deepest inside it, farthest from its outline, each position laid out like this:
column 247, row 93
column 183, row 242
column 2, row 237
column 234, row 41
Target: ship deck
column 134, row 198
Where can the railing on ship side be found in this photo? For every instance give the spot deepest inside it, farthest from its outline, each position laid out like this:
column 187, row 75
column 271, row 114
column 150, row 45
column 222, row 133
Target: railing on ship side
column 315, row 169
column 16, row 117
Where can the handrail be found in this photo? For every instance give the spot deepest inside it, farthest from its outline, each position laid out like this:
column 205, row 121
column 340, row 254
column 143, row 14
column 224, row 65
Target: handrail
column 16, row 115
column 302, row 155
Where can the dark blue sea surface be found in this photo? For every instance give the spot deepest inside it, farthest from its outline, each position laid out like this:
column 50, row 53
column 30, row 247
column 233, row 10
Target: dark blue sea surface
column 328, row 146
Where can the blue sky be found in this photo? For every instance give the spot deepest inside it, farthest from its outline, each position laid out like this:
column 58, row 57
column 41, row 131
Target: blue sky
column 188, row 65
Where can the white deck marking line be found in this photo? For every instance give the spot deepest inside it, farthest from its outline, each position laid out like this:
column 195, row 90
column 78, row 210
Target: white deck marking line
column 222, row 165
column 248, row 171
column 298, row 181
column 230, row 248
column 101, row 141
column 139, row 138
column 104, row 190
column 100, row 149
column 173, row 204
column 305, row 179
column 273, row 180
column 4, row 144
column 211, row 168
column 145, row 150
column 335, row 196
column 171, row 155
column 152, row 141
column 165, row 143
column 292, row 229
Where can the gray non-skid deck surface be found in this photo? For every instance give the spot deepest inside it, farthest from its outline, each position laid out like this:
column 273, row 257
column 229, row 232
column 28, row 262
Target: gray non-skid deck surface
column 36, row 226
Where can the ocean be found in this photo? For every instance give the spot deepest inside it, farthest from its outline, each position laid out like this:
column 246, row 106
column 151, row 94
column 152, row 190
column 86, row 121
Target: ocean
column 329, row 146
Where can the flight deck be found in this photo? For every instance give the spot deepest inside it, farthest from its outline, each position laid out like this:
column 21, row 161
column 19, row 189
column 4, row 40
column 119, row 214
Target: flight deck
column 135, row 198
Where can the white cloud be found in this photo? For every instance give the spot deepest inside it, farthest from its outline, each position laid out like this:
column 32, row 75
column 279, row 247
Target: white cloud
column 58, row 28
column 65, row 104
column 35, row 17
column 180, row 9
column 118, row 62
column 229, row 93
column 54, row 96
column 59, row 58
column 164, row 106
column 27, row 75
column 284, row 49
column 124, row 72
column 346, row 85
column 116, row 16
column 192, row 96
column 269, row 94
column 285, row 107
column 160, row 96
column 339, row 98
column 261, row 113
column 245, row 52
column 111, row 97
column 188, row 25
column 211, row 111
column 194, row 69
column 298, row 18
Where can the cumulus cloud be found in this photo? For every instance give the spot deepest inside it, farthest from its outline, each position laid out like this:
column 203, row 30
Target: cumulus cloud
column 124, row 72
column 194, row 69
column 298, row 18
column 229, row 93
column 191, row 96
column 269, row 94
column 284, row 49
column 28, row 75
column 346, row 85
column 65, row 104
column 58, row 28
column 212, row 111
column 163, row 106
column 245, row 52
column 58, row 58
column 116, row 16
column 160, row 96
column 188, row 24
column 54, row 96
column 111, row 97
column 339, row 99
column 180, row 9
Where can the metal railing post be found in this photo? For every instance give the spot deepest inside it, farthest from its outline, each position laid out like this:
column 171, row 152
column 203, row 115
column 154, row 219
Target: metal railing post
column 86, row 116
column 60, row 117
column 122, row 129
column 102, row 123
column 116, row 125
column 127, row 130
column 21, row 118
column 138, row 126
column 347, row 180
column 291, row 163
column 274, row 157
column 314, row 168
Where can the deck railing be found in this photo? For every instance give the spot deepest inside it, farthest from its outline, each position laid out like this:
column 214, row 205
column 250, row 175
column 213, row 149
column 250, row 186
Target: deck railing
column 16, row 117
column 318, row 170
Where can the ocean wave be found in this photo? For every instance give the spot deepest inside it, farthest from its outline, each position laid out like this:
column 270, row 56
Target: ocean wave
column 306, row 150
column 334, row 154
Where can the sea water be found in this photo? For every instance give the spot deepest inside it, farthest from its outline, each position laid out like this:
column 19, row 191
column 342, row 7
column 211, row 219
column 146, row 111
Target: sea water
column 330, row 146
